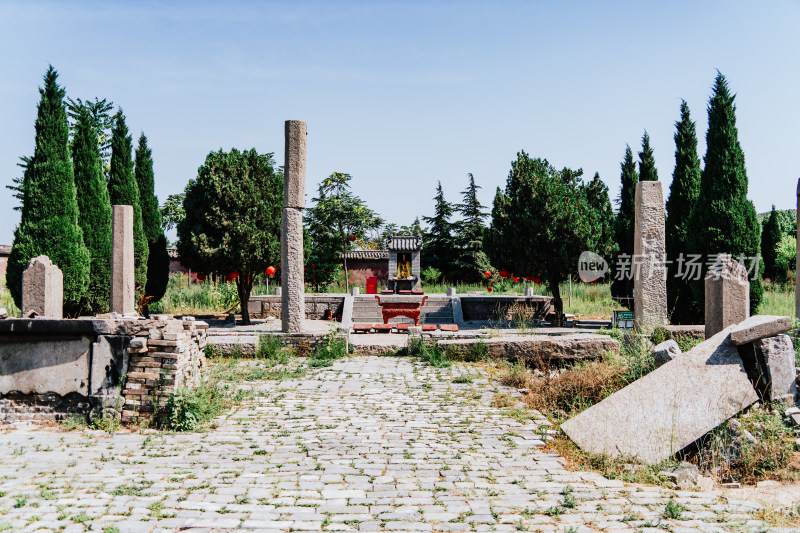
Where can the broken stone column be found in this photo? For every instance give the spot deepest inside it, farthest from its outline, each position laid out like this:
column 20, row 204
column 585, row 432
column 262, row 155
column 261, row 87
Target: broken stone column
column 42, row 289
column 727, row 294
column 650, row 274
column 123, row 298
column 294, row 201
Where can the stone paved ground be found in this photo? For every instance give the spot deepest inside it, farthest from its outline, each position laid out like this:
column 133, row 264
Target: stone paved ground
column 371, row 444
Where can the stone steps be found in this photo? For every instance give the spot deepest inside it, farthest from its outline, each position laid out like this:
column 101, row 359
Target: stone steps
column 435, row 311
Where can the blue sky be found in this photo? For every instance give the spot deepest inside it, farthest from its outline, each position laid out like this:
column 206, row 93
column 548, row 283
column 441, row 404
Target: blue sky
column 401, row 95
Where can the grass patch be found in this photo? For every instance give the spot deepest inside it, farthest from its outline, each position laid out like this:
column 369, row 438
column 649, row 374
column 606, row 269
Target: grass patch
column 330, row 348
column 429, row 352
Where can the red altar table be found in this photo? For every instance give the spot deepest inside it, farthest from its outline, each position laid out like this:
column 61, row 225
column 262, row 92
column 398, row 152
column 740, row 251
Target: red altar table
column 406, row 308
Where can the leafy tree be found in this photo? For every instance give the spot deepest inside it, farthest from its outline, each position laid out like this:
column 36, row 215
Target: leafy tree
column 157, row 256
column 438, row 244
column 770, row 238
column 623, row 225
column 337, row 215
column 723, row 219
column 49, row 221
column 647, row 163
column 94, row 211
column 786, row 261
column 100, row 113
column 470, row 260
column 172, row 211
column 682, row 196
column 542, row 222
column 597, row 197
column 123, row 190
column 233, row 218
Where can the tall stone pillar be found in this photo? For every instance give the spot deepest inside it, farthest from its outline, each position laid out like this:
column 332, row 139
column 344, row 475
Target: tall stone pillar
column 650, row 273
column 727, row 291
column 797, row 270
column 123, row 299
column 293, row 306
column 42, row 289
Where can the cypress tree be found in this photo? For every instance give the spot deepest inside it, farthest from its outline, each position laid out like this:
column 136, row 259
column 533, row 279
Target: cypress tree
column 438, row 247
column 723, row 219
column 94, row 211
column 597, row 197
column 770, row 237
column 157, row 258
column 123, row 190
column 682, row 195
column 471, row 261
column 49, row 221
column 647, row 163
column 623, row 225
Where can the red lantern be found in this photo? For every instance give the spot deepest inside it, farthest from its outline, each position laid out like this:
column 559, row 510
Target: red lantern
column 536, row 280
column 352, row 238
column 232, row 276
column 516, row 279
column 489, row 289
column 313, row 267
column 270, row 270
column 487, row 274
column 503, row 274
column 201, row 276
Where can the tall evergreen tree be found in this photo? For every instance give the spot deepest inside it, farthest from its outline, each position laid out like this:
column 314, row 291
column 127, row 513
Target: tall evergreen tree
column 597, row 197
column 682, row 196
column 49, row 221
column 623, row 225
column 157, row 258
column 94, row 211
column 123, row 190
column 439, row 246
column 723, row 219
column 647, row 163
column 471, row 261
column 770, row 238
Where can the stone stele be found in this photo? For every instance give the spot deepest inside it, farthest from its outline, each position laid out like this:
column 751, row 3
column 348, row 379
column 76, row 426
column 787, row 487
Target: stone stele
column 122, row 273
column 760, row 327
column 669, row 408
column 649, row 272
column 294, row 184
column 727, row 293
column 778, row 359
column 293, row 306
column 42, row 289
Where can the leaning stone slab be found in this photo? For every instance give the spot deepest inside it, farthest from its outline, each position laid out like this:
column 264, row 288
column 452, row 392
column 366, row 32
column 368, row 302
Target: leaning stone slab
column 760, row 327
column 660, row 414
column 778, row 359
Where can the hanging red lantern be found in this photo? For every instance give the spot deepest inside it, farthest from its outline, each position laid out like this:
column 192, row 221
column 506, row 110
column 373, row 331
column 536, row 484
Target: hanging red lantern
column 515, row 278
column 489, row 289
column 201, row 276
column 487, row 274
column 352, row 238
column 536, row 280
column 270, row 270
column 232, row 276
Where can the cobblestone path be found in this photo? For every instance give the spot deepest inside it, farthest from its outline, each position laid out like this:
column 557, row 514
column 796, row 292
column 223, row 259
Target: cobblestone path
column 370, row 444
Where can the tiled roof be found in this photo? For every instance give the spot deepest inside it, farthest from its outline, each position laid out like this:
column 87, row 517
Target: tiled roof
column 367, row 255
column 404, row 243
column 5, row 249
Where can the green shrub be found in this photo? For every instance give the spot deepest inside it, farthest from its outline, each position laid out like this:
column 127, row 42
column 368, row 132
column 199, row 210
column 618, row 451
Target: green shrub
column 270, row 347
column 188, row 409
column 429, row 352
column 332, row 347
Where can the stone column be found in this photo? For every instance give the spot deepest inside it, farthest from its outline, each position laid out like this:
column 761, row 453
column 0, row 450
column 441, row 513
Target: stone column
column 293, row 307
column 123, row 299
column 796, row 290
column 650, row 274
column 727, row 292
column 42, row 289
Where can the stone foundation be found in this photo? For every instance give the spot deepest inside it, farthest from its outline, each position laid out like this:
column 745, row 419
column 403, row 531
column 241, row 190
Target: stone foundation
column 315, row 306
column 115, row 368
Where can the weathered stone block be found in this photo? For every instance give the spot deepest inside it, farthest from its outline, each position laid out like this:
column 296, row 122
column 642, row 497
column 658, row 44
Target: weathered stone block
column 42, row 289
column 665, row 352
column 122, row 272
column 778, row 359
column 727, row 293
column 294, row 171
column 650, row 275
column 292, row 279
column 39, row 366
column 760, row 327
column 668, row 409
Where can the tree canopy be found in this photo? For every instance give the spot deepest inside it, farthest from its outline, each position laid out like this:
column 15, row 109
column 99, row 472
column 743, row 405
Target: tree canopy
column 232, row 223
